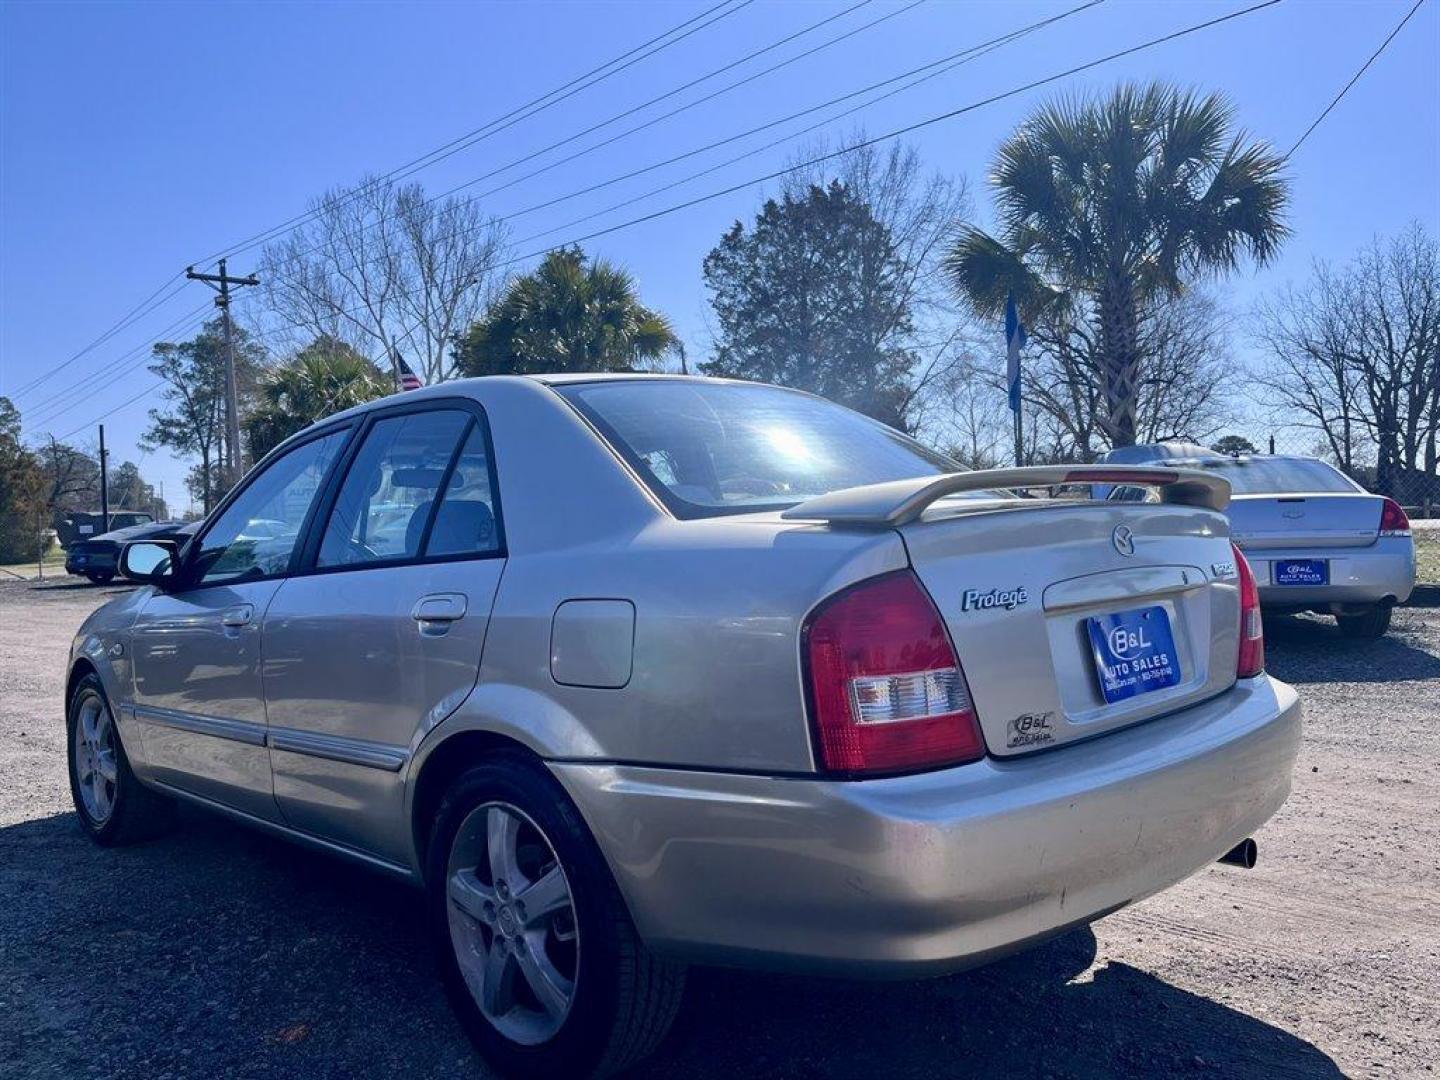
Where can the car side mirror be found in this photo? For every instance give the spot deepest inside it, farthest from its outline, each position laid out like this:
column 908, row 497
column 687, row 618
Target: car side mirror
column 151, row 562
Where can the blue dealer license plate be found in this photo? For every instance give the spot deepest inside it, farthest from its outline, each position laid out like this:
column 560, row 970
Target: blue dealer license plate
column 1134, row 652
column 1302, row 572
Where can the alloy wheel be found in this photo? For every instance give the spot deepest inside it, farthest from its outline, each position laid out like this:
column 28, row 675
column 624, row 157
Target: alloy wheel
column 512, row 923
column 96, row 769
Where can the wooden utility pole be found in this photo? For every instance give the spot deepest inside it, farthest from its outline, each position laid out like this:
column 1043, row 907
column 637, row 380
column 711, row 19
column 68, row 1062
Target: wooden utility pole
column 221, row 283
column 104, row 485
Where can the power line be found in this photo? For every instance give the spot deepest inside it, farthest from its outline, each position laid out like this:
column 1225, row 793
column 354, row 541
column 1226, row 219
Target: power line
column 678, row 90
column 509, row 119
column 128, row 319
column 535, row 105
column 896, row 133
column 1353, row 79
column 907, row 129
column 941, row 66
column 672, row 92
column 110, row 412
column 118, row 366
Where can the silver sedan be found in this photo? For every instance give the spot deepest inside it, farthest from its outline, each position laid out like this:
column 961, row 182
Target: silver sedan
column 1317, row 540
column 634, row 672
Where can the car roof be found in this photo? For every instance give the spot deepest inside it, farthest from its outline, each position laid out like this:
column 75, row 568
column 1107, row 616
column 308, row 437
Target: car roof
column 1162, row 451
column 566, row 378
column 467, row 387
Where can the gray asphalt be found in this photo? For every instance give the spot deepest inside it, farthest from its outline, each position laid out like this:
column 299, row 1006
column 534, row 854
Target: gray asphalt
column 215, row 952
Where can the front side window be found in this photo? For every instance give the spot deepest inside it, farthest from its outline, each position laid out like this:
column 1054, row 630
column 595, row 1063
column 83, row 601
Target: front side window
column 388, row 498
column 256, row 535
column 720, row 448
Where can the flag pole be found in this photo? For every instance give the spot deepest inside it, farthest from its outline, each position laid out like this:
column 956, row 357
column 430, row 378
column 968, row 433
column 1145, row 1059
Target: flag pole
column 1014, row 342
column 1019, row 440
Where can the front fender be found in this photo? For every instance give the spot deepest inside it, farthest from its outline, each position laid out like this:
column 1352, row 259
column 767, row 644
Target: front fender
column 102, row 645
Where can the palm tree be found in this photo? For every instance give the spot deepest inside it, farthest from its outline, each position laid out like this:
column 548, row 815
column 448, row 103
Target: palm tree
column 569, row 314
column 1105, row 206
column 323, row 378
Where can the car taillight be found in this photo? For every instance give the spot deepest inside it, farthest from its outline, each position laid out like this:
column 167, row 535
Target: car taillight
column 1251, row 661
column 887, row 691
column 1393, row 520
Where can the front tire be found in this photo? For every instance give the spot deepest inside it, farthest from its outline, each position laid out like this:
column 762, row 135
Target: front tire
column 540, row 960
column 1369, row 626
column 113, row 806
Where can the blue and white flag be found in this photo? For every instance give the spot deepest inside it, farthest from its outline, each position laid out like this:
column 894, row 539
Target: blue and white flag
column 1014, row 342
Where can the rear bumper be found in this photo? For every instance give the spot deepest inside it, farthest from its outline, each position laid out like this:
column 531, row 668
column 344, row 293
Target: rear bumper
column 929, row 873
column 1383, row 571
column 88, row 563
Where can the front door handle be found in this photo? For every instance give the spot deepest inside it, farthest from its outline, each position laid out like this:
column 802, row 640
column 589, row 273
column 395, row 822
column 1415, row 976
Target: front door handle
column 435, row 613
column 238, row 616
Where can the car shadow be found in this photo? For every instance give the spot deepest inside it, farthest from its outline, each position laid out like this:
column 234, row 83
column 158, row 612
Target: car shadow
column 1308, row 649
column 217, row 951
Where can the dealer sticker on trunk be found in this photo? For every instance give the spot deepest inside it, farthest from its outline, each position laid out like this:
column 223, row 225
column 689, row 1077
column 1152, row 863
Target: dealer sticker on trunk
column 1134, row 652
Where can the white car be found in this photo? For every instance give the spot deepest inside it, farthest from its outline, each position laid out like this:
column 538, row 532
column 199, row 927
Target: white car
column 1316, row 540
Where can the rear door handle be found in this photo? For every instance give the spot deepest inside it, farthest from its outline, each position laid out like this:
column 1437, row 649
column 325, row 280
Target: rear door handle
column 237, row 616
column 435, row 613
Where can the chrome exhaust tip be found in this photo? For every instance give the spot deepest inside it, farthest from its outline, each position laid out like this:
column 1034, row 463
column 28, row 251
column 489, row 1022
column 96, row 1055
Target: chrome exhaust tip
column 1242, row 854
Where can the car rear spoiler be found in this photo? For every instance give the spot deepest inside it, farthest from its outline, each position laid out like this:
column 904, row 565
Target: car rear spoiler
column 899, row 502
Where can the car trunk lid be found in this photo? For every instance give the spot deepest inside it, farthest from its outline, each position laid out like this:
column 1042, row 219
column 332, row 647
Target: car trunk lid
column 1271, row 522
column 1074, row 619
column 1070, row 618
column 1047, row 612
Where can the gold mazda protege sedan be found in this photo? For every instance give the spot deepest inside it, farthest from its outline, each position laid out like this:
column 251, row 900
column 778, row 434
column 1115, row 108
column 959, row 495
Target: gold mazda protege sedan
column 634, row 671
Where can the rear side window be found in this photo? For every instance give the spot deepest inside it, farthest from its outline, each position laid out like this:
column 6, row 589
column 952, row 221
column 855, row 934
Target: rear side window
column 418, row 487
column 466, row 523
column 385, row 504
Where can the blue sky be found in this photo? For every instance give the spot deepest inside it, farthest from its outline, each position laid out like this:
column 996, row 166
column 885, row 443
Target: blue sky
column 137, row 138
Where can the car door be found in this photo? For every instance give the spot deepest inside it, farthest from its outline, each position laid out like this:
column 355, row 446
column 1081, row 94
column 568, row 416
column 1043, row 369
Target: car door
column 196, row 648
column 379, row 637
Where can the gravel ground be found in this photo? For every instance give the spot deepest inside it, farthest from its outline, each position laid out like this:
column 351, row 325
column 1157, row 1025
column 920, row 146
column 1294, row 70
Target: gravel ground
column 216, row 952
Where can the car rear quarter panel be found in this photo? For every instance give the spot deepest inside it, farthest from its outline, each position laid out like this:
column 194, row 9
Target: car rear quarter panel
column 715, row 679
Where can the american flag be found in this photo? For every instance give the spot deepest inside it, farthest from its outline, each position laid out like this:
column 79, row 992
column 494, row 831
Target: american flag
column 408, row 379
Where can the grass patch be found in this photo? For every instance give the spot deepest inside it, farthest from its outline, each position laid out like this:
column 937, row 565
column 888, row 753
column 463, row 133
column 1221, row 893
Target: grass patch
column 54, row 564
column 1427, row 556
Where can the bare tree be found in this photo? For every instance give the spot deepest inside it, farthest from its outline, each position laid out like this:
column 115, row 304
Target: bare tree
column 920, row 211
column 1355, row 356
column 1183, row 374
column 384, row 268
column 71, row 477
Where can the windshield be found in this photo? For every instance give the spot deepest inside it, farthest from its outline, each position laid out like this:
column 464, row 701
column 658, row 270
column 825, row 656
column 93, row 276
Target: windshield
column 727, row 448
column 1273, row 476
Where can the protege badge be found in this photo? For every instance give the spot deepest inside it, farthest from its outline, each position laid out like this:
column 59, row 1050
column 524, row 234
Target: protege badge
column 1009, row 599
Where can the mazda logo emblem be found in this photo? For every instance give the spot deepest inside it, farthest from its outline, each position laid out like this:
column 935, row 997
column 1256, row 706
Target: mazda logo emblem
column 1123, row 539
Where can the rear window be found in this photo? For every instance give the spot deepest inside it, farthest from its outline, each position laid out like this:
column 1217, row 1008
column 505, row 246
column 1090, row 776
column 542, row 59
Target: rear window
column 1270, row 476
column 717, row 448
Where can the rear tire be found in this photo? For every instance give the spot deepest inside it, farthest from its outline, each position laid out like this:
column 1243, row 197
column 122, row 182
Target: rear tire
column 610, row 1001
column 113, row 806
column 101, row 577
column 1373, row 624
